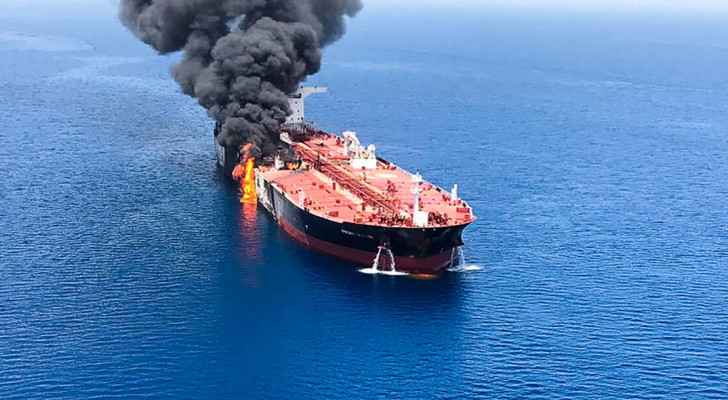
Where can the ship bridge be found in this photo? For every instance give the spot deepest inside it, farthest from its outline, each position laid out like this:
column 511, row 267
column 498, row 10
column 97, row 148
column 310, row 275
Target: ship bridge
column 297, row 101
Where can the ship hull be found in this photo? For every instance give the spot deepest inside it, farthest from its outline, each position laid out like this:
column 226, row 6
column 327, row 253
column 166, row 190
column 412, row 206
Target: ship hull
column 227, row 158
column 415, row 250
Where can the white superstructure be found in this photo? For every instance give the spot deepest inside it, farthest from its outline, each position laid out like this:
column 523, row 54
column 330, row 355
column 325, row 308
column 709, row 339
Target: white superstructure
column 297, row 100
column 361, row 157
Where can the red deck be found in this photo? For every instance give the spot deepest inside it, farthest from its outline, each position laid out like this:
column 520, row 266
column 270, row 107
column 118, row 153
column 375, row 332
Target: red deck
column 331, row 188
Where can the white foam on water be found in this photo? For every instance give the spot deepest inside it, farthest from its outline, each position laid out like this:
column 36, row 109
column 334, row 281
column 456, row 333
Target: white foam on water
column 394, row 273
column 465, row 268
column 375, row 271
column 369, row 271
column 459, row 264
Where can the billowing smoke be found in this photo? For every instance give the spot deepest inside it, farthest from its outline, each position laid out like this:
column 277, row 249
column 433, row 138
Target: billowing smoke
column 241, row 58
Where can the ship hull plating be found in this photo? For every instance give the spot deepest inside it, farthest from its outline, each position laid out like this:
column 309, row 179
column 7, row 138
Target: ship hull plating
column 416, row 250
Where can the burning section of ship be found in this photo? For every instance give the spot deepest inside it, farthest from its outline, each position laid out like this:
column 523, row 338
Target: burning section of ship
column 337, row 197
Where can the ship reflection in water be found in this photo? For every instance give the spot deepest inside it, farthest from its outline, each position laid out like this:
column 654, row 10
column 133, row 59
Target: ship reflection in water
column 244, row 173
column 249, row 235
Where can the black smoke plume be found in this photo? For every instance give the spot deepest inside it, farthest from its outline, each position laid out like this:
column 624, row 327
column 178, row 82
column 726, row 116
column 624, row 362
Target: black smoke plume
column 241, row 58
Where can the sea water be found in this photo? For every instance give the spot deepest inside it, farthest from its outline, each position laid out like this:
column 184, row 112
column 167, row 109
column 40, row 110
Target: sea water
column 593, row 150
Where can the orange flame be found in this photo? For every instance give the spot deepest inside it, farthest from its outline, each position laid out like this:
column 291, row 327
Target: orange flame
column 248, row 183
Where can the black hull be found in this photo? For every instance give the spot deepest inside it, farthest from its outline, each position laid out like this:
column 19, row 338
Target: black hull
column 227, row 157
column 420, row 250
column 424, row 250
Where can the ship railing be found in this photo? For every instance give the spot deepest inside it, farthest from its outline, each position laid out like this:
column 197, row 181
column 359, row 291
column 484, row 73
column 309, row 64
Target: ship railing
column 300, row 131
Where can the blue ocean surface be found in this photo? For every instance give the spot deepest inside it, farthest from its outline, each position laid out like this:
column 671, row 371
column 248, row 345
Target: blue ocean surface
column 593, row 148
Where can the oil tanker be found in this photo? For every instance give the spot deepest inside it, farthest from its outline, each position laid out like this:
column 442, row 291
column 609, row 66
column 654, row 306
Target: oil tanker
column 335, row 196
